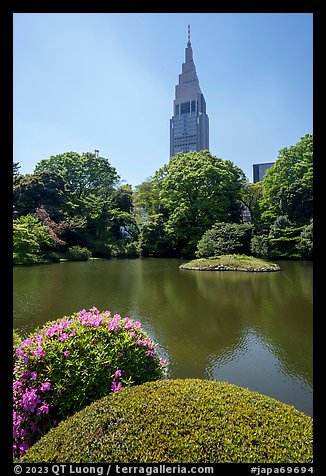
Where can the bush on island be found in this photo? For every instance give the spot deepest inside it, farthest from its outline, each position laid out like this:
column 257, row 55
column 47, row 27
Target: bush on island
column 173, row 421
column 69, row 363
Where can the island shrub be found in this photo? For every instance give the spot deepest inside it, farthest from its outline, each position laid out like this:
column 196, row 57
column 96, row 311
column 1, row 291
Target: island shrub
column 78, row 253
column 180, row 421
column 224, row 238
column 69, row 363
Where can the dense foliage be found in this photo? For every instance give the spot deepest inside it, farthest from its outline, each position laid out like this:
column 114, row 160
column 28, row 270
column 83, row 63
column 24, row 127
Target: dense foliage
column 78, row 253
column 30, row 239
column 68, row 363
column 79, row 199
column 187, row 196
column 223, row 239
column 173, row 421
column 284, row 205
column 288, row 185
column 306, row 241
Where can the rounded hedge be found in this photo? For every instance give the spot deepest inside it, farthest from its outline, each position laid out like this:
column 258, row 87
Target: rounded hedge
column 184, row 421
column 69, row 363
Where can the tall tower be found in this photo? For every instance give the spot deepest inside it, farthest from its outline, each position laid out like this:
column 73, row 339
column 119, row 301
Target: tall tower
column 189, row 124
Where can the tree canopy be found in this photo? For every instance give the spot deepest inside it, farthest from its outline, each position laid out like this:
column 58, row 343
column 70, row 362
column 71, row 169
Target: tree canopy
column 288, row 185
column 194, row 191
column 85, row 173
column 80, row 201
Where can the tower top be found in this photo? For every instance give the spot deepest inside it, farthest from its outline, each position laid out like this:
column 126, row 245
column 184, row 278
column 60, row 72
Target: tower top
column 188, row 44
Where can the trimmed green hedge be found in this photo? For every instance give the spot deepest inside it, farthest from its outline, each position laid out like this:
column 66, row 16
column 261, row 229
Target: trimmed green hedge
column 194, row 421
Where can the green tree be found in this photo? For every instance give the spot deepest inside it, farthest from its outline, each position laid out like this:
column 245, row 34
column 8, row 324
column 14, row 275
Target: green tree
column 106, row 206
column 153, row 239
column 194, row 191
column 121, row 213
column 224, row 238
column 30, row 238
column 16, row 168
column 55, row 230
column 259, row 245
column 85, row 173
column 284, row 239
column 307, row 241
column 250, row 195
column 288, row 186
column 44, row 188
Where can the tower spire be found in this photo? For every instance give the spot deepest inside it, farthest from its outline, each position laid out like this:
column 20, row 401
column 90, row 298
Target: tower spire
column 188, row 44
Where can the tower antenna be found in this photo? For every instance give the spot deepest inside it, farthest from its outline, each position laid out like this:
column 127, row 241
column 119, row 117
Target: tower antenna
column 188, row 44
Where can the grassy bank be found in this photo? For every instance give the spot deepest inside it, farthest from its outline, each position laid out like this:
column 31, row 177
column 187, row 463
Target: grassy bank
column 234, row 262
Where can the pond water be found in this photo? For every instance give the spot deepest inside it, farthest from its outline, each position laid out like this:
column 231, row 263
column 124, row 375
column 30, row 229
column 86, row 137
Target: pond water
column 249, row 329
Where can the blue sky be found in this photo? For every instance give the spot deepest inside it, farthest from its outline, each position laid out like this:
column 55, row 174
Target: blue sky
column 86, row 81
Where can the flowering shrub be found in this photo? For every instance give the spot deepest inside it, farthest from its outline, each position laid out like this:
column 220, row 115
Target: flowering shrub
column 69, row 363
column 16, row 343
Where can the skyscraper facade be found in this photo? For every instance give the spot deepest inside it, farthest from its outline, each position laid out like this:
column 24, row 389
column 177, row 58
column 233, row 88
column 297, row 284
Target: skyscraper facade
column 259, row 170
column 189, row 125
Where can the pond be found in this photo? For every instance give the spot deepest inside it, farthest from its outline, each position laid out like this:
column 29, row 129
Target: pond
column 249, row 329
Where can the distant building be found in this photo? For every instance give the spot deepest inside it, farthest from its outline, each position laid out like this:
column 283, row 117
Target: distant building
column 259, row 171
column 189, row 125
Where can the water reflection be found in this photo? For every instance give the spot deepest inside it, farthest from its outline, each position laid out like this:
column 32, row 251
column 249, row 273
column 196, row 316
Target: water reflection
column 254, row 365
column 251, row 329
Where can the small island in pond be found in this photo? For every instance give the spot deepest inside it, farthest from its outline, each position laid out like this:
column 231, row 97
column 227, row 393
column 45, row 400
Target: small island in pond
column 234, row 262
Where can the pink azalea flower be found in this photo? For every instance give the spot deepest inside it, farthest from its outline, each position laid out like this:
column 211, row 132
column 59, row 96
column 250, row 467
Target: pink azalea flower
column 30, row 399
column 117, row 373
column 44, row 408
column 115, row 387
column 51, row 331
column 95, row 310
column 19, row 352
column 113, row 325
column 45, row 386
column 163, row 362
column 17, row 384
column 23, row 446
column 39, row 352
column 27, row 341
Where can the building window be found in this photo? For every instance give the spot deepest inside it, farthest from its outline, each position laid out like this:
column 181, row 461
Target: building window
column 185, row 107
